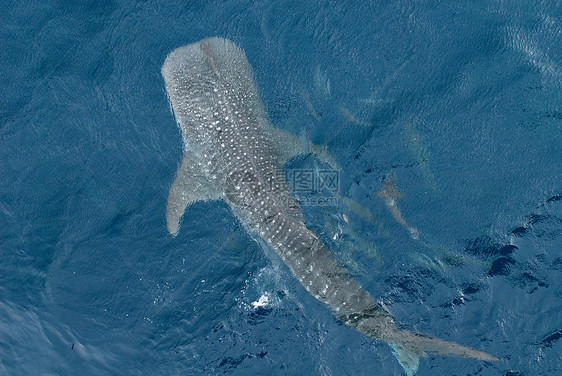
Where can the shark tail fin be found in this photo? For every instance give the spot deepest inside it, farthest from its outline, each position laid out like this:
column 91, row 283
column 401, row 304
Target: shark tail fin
column 409, row 346
column 408, row 358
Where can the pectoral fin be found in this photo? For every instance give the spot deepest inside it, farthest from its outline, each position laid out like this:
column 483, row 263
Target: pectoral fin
column 290, row 145
column 190, row 185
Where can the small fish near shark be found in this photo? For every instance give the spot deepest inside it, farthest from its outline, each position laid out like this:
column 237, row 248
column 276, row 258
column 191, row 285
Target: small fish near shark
column 390, row 193
column 233, row 153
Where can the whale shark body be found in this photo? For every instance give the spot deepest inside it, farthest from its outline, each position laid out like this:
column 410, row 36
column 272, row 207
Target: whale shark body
column 232, row 152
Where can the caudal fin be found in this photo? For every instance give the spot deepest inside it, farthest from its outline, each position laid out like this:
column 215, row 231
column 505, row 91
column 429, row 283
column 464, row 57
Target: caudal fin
column 409, row 346
column 408, row 358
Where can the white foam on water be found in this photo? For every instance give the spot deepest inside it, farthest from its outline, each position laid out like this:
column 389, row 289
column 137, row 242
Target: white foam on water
column 263, row 301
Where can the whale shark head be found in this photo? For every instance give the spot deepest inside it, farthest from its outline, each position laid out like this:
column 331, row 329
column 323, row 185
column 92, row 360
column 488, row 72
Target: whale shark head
column 203, row 77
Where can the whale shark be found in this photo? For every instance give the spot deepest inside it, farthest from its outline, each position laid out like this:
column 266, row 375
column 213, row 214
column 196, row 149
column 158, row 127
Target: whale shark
column 232, row 152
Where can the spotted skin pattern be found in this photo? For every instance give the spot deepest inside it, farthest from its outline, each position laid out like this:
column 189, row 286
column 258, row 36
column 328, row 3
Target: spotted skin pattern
column 232, row 152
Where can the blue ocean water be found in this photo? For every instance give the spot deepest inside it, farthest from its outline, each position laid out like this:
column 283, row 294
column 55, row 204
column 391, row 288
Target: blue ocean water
column 460, row 104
